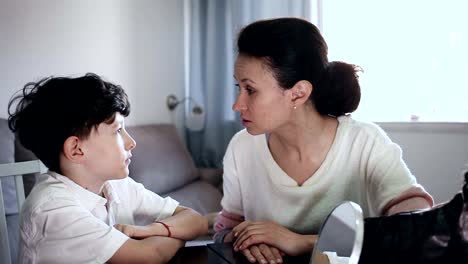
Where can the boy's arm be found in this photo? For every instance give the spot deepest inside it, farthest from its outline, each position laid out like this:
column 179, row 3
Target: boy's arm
column 149, row 250
column 185, row 224
column 154, row 246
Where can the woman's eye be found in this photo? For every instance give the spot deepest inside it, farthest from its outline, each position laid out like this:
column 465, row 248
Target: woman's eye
column 238, row 87
column 119, row 130
column 249, row 90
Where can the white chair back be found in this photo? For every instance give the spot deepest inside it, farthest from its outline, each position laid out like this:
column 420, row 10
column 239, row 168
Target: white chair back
column 17, row 170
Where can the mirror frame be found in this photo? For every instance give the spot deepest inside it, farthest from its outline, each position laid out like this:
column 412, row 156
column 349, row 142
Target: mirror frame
column 359, row 234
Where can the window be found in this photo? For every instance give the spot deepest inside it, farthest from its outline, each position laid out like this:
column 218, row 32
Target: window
column 414, row 55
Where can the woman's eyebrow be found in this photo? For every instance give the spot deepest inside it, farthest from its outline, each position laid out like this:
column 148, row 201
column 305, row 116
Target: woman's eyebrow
column 245, row 80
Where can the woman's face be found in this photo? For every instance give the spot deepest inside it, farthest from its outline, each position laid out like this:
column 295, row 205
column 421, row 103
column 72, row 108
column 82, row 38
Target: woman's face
column 262, row 104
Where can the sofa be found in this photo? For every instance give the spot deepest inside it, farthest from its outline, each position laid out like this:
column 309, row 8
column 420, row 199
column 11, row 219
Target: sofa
column 160, row 162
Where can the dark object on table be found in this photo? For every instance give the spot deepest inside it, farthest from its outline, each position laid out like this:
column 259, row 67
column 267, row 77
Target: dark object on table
column 225, row 251
column 439, row 235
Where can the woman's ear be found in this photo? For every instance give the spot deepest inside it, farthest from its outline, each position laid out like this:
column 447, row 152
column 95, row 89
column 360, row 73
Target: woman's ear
column 300, row 92
column 72, row 149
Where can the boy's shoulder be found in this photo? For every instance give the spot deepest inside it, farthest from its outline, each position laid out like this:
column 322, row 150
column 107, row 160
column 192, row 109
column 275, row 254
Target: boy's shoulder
column 46, row 191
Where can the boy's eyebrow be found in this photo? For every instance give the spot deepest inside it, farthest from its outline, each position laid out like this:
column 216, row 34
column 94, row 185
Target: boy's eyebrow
column 116, row 123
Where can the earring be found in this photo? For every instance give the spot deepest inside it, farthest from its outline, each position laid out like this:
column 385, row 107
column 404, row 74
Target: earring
column 295, row 107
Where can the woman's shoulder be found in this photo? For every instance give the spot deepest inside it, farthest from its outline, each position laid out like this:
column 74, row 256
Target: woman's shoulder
column 353, row 127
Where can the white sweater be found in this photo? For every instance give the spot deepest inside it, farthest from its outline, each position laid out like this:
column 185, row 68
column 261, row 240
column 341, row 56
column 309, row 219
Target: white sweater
column 363, row 165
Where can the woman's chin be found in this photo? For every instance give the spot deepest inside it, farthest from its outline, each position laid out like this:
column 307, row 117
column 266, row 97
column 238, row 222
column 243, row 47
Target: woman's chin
column 253, row 131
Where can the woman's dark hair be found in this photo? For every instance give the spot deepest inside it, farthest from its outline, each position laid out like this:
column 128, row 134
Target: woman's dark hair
column 295, row 50
column 51, row 110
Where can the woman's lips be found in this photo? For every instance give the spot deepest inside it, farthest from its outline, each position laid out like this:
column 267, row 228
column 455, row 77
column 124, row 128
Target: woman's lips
column 245, row 122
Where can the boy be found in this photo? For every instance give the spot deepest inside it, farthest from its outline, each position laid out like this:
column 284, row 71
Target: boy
column 85, row 209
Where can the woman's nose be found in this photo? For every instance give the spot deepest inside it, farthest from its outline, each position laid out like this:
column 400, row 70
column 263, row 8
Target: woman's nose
column 239, row 104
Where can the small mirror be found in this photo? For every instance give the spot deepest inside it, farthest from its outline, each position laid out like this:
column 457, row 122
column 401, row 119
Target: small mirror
column 340, row 237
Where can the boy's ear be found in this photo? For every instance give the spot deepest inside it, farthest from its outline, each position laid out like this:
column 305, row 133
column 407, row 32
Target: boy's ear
column 72, row 149
column 300, row 92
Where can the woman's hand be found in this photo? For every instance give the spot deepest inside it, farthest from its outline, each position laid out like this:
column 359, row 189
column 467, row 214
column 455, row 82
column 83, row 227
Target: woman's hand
column 250, row 233
column 140, row 232
column 320, row 258
column 263, row 253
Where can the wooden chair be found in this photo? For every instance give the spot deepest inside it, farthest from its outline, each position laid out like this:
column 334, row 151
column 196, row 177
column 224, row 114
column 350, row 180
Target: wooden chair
column 17, row 170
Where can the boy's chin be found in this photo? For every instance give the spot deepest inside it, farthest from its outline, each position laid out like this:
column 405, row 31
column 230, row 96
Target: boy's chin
column 122, row 175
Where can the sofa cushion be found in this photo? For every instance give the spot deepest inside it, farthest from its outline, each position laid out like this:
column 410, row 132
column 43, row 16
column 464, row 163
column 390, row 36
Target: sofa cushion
column 7, row 155
column 199, row 195
column 160, row 161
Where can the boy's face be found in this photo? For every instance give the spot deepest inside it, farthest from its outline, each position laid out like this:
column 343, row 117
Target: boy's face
column 108, row 150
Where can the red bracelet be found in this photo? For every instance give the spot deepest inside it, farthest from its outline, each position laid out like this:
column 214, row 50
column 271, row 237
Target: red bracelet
column 166, row 226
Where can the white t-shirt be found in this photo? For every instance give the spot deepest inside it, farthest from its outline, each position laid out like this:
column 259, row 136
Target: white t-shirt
column 363, row 165
column 61, row 222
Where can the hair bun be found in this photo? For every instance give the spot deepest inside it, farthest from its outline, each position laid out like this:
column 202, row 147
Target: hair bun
column 338, row 92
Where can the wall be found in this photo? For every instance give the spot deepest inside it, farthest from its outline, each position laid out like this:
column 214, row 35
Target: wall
column 137, row 44
column 437, row 154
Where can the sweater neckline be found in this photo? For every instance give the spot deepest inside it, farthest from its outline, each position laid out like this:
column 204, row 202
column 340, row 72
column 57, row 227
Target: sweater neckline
column 280, row 177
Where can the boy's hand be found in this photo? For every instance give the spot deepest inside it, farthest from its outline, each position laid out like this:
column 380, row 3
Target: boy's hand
column 140, row 232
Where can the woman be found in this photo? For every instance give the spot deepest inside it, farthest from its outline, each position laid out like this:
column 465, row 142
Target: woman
column 301, row 153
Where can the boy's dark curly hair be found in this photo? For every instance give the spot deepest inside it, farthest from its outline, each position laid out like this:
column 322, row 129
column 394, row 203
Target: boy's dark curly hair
column 51, row 110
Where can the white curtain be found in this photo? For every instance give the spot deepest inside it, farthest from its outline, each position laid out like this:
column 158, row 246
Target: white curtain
column 211, row 32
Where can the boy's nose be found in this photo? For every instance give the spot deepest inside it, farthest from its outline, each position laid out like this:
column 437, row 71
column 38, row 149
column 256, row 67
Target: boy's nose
column 131, row 143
